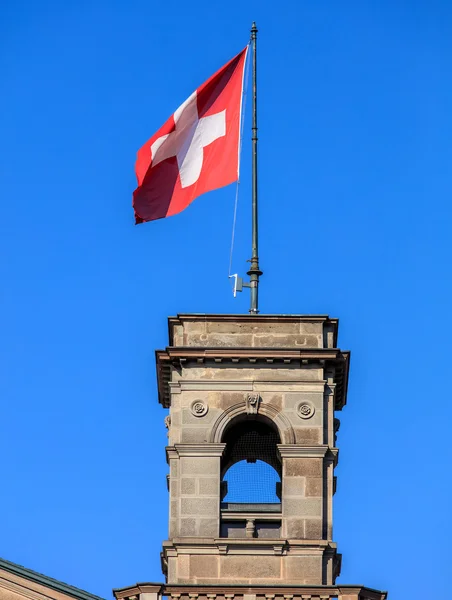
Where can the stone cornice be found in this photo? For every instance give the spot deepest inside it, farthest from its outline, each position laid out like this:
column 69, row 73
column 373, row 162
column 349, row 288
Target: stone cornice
column 246, row 385
column 178, row 357
column 238, row 591
column 182, row 385
column 139, row 588
column 204, row 449
column 171, row 453
column 295, row 451
column 187, row 545
column 333, row 455
column 218, row 354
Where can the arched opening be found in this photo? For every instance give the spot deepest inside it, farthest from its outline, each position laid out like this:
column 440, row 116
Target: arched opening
column 251, row 469
column 251, row 479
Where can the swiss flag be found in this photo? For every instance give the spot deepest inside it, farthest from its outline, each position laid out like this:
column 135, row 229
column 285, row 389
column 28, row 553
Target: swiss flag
column 196, row 150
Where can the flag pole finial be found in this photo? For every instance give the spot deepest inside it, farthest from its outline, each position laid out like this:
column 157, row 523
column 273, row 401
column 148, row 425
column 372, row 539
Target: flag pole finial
column 254, row 272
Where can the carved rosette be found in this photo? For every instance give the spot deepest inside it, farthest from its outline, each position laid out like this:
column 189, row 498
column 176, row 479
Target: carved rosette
column 305, row 410
column 199, row 408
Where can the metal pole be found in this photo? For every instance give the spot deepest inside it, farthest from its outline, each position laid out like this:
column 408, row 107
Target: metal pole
column 254, row 271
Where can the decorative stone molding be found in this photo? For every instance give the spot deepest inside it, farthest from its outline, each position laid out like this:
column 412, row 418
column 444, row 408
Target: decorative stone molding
column 286, row 432
column 183, row 357
column 292, row 451
column 198, row 449
column 332, row 456
column 305, row 409
column 279, row 549
column 240, row 546
column 222, row 549
column 199, row 408
column 270, row 592
column 210, row 385
column 252, row 403
column 244, row 385
column 171, row 453
column 143, row 591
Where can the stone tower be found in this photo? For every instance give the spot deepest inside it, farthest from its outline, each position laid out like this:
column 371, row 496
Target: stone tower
column 251, row 453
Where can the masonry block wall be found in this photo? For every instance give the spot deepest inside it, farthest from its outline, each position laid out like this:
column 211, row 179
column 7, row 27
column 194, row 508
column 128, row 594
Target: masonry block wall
column 220, row 370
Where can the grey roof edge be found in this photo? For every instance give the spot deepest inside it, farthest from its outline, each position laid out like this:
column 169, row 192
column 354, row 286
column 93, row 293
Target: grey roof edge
column 46, row 581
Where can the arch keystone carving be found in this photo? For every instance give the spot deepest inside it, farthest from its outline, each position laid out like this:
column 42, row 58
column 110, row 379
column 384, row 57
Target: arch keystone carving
column 281, row 422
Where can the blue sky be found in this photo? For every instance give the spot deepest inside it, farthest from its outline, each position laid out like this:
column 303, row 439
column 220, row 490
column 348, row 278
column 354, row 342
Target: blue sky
column 355, row 204
column 251, row 482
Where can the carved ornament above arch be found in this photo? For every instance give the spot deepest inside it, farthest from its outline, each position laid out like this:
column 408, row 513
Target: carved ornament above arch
column 281, row 422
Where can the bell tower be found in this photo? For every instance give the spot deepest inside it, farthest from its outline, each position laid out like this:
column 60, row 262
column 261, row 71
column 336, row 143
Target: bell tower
column 251, row 453
column 251, row 391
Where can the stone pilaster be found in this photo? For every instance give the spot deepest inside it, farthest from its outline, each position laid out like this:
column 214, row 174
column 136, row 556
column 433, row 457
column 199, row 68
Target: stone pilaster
column 194, row 489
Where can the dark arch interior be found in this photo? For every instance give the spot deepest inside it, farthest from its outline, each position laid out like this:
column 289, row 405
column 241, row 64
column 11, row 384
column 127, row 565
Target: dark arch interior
column 251, row 441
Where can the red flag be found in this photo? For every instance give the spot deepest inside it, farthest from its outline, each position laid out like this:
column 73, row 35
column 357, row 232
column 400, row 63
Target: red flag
column 196, row 150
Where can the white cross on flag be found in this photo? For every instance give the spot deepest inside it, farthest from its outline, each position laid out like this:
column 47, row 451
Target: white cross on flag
column 196, row 150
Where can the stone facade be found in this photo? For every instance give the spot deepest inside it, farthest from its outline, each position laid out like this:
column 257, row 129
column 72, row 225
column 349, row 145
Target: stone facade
column 217, row 371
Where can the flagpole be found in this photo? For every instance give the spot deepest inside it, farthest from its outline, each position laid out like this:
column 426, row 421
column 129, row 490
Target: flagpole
column 254, row 271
